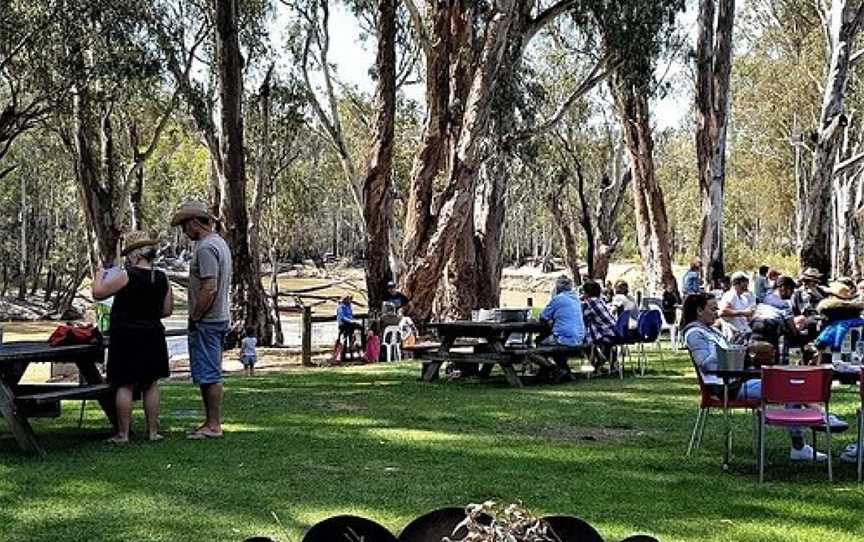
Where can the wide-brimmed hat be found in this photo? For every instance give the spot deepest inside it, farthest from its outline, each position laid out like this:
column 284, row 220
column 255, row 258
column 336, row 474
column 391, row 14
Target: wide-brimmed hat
column 136, row 239
column 811, row 273
column 189, row 210
column 838, row 289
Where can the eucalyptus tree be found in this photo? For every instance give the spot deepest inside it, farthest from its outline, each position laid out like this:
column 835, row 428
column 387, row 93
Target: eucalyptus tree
column 713, row 70
column 842, row 24
column 637, row 32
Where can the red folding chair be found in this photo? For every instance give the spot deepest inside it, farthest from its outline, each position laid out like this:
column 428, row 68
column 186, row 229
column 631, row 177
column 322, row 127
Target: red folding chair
column 707, row 401
column 782, row 385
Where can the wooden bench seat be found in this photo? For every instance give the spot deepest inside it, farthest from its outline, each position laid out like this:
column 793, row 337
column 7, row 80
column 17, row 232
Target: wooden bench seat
column 50, row 394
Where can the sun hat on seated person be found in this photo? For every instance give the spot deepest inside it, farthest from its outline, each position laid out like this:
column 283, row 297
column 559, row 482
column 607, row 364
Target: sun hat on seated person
column 189, row 210
column 838, row 289
column 811, row 273
column 136, row 239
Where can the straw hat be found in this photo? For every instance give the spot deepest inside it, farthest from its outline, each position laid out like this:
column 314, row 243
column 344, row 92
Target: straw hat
column 136, row 239
column 811, row 273
column 191, row 209
column 838, row 289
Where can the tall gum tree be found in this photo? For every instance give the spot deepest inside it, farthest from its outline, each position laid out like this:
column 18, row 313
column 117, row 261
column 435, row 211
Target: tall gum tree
column 713, row 70
column 842, row 25
column 636, row 32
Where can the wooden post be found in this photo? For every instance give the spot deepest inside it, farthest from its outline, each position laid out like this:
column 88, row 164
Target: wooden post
column 306, row 336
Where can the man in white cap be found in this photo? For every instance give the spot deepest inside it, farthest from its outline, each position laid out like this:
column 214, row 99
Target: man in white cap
column 737, row 306
column 209, row 310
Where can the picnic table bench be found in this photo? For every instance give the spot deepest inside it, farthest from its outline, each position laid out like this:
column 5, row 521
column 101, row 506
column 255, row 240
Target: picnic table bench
column 19, row 402
column 493, row 350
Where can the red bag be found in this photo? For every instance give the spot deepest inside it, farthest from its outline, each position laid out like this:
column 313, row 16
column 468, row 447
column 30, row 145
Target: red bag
column 66, row 335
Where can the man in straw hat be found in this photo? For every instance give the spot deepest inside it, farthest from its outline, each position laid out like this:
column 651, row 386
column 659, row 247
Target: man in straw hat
column 209, row 309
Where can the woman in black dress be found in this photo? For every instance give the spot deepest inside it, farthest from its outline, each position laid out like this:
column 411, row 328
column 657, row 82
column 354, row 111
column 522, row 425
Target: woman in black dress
column 137, row 353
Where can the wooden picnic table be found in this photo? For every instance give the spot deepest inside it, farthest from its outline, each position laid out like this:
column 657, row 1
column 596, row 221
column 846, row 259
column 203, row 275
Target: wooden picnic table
column 494, row 351
column 19, row 402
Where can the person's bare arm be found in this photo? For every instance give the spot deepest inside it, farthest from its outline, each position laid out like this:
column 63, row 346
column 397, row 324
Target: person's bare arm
column 168, row 303
column 204, row 300
column 103, row 289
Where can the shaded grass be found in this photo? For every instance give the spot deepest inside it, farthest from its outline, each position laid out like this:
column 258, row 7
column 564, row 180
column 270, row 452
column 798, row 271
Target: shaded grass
column 374, row 441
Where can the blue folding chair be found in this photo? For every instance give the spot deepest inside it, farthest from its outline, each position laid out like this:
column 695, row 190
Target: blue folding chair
column 648, row 326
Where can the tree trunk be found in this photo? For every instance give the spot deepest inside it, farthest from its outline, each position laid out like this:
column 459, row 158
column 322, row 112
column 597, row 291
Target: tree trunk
column 95, row 174
column 843, row 25
column 714, row 65
column 136, row 194
column 652, row 228
column 489, row 214
column 22, row 258
column 249, row 298
column 377, row 189
column 430, row 241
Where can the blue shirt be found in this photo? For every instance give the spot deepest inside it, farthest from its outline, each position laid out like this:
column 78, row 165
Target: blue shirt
column 344, row 313
column 565, row 312
column 691, row 283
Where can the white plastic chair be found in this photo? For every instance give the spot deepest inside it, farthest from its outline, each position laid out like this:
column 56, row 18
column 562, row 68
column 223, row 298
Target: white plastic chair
column 392, row 343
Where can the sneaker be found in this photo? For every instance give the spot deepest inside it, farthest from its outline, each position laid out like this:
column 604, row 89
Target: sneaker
column 837, row 424
column 850, row 454
column 806, row 454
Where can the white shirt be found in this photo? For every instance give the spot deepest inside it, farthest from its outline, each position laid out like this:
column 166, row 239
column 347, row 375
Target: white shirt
column 731, row 300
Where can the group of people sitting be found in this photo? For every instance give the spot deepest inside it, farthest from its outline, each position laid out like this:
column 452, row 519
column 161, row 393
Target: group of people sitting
column 785, row 314
column 586, row 319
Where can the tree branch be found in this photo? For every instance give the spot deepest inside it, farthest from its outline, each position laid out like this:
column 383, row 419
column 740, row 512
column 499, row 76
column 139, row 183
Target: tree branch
column 419, row 27
column 598, row 74
column 546, row 16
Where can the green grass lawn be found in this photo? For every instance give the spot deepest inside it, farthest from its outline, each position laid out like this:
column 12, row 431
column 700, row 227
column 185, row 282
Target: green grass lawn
column 373, row 441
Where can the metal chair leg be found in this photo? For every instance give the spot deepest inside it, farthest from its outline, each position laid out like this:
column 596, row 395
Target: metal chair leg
column 860, row 451
column 695, row 431
column 828, row 451
column 702, row 429
column 762, row 446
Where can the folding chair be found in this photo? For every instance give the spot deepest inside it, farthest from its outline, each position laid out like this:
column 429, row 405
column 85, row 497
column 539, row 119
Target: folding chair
column 784, row 385
column 707, row 401
column 648, row 327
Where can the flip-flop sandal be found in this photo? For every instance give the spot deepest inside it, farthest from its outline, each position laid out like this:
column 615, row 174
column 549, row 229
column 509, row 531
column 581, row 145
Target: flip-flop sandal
column 203, row 435
column 155, row 438
column 116, row 442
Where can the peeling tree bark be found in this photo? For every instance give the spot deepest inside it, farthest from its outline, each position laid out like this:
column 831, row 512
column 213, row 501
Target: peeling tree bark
column 843, row 25
column 714, row 65
column 631, row 103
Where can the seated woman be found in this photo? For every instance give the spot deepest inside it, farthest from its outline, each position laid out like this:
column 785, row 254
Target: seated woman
column 564, row 314
column 622, row 301
column 702, row 339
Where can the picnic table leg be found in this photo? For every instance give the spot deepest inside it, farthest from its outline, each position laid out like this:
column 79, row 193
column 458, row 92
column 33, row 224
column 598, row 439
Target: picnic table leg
column 430, row 369
column 510, row 373
column 20, row 426
column 91, row 375
column 506, row 366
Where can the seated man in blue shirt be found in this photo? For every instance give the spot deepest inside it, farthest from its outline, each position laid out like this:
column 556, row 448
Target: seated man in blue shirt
column 346, row 323
column 564, row 314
